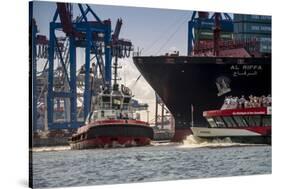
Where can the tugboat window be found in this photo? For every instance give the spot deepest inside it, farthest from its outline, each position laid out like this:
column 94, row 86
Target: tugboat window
column 116, row 102
column 126, row 100
column 106, row 106
column 125, row 106
column 106, row 102
column 106, row 98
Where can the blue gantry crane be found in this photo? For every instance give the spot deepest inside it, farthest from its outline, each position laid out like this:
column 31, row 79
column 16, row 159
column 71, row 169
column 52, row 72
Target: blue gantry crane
column 33, row 30
column 66, row 35
column 204, row 24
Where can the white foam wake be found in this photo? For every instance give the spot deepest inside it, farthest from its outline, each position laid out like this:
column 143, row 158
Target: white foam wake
column 52, row 148
column 192, row 141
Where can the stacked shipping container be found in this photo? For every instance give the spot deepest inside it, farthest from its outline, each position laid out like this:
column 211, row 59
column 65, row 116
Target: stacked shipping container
column 254, row 27
column 205, row 30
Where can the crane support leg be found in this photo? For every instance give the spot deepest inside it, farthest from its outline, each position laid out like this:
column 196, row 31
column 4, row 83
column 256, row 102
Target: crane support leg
column 87, row 94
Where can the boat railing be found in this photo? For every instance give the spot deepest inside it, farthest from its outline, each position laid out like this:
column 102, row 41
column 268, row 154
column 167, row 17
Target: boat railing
column 101, row 114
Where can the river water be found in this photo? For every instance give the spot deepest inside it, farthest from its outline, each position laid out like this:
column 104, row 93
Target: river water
column 159, row 162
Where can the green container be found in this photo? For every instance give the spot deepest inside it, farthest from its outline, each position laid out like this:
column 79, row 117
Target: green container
column 252, row 18
column 208, row 35
column 255, row 28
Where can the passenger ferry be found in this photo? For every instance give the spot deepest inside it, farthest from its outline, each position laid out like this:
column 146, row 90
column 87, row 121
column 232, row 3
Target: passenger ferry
column 114, row 122
column 245, row 125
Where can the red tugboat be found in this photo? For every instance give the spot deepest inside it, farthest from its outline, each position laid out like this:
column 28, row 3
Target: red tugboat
column 113, row 123
column 250, row 124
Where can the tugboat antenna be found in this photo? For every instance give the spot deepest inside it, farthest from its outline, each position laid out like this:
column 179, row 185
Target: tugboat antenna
column 115, row 67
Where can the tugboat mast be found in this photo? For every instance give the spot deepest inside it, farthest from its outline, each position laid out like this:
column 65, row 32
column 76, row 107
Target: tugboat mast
column 115, row 67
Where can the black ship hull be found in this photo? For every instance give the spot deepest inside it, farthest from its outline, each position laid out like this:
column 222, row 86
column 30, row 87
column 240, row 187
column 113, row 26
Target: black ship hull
column 201, row 83
column 112, row 135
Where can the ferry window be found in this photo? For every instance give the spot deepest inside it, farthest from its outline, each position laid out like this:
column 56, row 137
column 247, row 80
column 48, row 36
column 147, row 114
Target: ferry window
column 257, row 120
column 240, row 121
column 219, row 122
column 211, row 122
column 253, row 120
column 229, row 121
column 266, row 120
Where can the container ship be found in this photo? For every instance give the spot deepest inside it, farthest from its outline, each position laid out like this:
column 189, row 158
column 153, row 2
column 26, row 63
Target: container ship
column 215, row 69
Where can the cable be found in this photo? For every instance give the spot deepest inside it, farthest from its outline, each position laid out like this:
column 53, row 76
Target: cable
column 171, row 36
column 163, row 34
column 134, row 84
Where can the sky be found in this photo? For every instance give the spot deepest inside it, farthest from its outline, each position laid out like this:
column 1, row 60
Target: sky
column 153, row 31
column 147, row 28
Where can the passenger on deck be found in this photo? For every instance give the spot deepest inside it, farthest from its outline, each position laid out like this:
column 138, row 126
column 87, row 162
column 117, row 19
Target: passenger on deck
column 231, row 102
column 269, row 100
column 241, row 102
